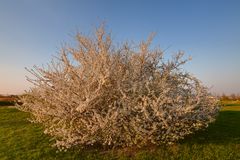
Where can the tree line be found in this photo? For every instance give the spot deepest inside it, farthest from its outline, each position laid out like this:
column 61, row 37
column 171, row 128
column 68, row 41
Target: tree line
column 233, row 97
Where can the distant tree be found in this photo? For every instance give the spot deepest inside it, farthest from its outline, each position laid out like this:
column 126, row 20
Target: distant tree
column 233, row 97
column 238, row 97
column 224, row 97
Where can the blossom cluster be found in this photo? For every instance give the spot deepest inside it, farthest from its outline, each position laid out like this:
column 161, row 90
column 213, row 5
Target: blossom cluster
column 98, row 93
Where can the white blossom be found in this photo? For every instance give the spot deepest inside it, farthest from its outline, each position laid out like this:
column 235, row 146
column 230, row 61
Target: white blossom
column 97, row 93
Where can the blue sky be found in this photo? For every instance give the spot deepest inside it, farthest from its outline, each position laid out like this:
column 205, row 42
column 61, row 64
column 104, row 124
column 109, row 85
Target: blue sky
column 31, row 31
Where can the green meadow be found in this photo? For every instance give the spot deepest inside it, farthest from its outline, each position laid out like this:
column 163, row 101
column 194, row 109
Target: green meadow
column 20, row 139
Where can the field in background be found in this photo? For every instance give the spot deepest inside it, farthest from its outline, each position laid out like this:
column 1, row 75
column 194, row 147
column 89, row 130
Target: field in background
column 231, row 105
column 7, row 100
column 20, row 139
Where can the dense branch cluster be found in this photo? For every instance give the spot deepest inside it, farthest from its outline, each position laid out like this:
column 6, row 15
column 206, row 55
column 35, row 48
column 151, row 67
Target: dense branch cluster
column 97, row 93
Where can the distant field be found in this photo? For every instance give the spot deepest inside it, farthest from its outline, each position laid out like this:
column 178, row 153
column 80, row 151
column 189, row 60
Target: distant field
column 231, row 108
column 231, row 105
column 20, row 139
column 6, row 100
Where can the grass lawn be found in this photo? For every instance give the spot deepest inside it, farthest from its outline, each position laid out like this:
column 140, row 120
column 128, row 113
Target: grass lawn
column 20, row 139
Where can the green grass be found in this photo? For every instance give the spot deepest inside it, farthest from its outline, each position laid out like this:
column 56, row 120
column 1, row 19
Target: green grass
column 6, row 103
column 20, row 139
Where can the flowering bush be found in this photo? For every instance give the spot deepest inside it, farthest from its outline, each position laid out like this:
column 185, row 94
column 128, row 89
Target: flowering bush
column 97, row 93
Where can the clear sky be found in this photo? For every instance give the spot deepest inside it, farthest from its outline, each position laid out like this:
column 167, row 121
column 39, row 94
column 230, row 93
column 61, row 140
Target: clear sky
column 31, row 31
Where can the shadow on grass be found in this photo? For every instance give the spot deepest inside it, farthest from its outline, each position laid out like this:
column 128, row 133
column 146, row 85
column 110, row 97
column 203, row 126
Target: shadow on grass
column 225, row 130
column 6, row 103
